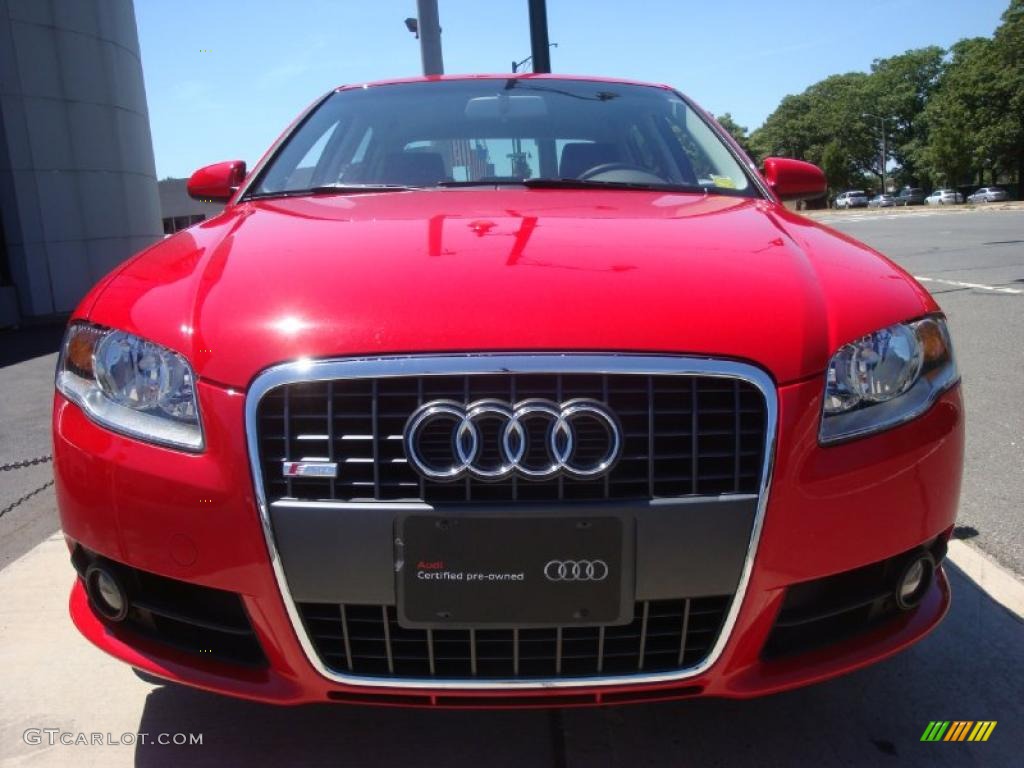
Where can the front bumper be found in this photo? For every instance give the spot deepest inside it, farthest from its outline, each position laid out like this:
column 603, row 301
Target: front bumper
column 194, row 518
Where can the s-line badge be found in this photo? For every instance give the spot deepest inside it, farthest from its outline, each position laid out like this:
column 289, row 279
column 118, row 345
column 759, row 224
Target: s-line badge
column 328, row 469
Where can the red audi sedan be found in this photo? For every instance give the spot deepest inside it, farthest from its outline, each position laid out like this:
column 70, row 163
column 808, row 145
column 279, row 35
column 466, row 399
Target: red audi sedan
column 506, row 391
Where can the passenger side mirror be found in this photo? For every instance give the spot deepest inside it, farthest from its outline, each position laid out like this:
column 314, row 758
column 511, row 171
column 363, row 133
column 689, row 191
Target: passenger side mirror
column 794, row 179
column 217, row 182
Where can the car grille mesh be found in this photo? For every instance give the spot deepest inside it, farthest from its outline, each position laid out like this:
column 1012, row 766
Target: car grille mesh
column 682, row 435
column 665, row 635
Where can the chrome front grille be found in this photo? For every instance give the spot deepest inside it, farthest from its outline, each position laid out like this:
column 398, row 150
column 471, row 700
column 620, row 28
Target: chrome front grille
column 682, row 435
column 692, row 427
column 665, row 635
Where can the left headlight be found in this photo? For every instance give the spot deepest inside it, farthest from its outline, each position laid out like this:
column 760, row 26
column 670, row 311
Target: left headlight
column 131, row 385
column 886, row 378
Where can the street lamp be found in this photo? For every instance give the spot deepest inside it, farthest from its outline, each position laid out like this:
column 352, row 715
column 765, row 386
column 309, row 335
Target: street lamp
column 881, row 122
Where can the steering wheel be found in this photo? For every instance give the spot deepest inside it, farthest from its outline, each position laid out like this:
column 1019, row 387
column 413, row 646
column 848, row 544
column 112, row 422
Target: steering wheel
column 629, row 170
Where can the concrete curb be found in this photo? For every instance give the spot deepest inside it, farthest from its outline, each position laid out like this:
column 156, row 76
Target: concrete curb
column 997, row 582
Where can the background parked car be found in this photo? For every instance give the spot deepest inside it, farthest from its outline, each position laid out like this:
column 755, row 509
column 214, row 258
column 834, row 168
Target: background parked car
column 988, row 195
column 854, row 198
column 944, row 197
column 882, row 201
column 910, row 196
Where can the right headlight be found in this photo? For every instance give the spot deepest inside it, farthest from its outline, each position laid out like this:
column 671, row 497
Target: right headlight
column 131, row 385
column 886, row 378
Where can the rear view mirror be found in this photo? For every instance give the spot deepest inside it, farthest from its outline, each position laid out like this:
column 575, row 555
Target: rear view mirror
column 217, row 182
column 504, row 107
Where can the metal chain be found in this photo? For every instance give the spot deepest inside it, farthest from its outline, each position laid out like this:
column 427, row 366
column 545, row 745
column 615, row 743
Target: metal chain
column 25, row 463
column 26, row 497
column 21, row 465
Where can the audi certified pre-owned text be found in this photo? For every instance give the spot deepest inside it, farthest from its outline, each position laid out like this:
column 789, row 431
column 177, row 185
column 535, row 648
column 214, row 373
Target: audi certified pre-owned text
column 535, row 396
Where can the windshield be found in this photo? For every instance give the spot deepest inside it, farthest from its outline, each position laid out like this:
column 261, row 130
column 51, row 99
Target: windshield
column 494, row 131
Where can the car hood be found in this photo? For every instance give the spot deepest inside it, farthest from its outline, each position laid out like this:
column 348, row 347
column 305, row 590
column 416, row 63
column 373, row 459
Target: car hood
column 514, row 270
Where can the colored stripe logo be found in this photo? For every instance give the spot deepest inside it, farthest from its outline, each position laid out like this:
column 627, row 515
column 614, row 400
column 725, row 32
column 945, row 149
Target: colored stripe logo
column 958, row 730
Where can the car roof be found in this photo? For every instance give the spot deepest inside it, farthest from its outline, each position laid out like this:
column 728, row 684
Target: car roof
column 499, row 76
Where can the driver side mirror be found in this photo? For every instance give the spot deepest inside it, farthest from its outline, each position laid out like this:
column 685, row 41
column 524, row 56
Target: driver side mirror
column 794, row 179
column 217, row 182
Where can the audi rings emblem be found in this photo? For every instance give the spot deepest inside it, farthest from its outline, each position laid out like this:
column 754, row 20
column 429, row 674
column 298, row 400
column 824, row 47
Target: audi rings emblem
column 492, row 439
column 576, row 570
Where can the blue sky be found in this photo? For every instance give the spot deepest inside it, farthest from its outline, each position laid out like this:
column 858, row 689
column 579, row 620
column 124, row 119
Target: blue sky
column 223, row 79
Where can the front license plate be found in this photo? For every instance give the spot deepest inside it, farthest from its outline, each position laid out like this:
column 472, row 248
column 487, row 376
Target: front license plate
column 465, row 571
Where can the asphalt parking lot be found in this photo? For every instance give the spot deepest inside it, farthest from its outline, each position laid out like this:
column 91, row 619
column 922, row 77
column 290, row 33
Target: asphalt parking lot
column 968, row 669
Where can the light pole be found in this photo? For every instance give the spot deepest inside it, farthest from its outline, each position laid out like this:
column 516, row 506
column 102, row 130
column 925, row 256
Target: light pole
column 540, row 49
column 427, row 28
column 881, row 122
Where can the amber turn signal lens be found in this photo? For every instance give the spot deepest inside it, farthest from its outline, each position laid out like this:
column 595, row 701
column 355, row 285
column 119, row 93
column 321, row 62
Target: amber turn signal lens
column 933, row 342
column 79, row 352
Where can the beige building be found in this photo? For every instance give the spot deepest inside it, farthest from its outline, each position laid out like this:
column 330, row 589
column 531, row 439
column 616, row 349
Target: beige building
column 78, row 190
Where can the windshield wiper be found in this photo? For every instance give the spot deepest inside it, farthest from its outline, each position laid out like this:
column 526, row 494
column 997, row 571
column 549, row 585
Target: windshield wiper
column 552, row 183
column 543, row 183
column 333, row 189
column 535, row 183
column 482, row 183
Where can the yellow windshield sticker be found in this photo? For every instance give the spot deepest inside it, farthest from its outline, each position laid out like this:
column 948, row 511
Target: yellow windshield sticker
column 723, row 181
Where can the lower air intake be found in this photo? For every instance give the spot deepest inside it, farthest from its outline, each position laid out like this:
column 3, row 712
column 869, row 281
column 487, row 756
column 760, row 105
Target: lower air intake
column 665, row 635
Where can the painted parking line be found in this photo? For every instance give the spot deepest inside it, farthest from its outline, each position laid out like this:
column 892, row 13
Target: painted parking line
column 960, row 284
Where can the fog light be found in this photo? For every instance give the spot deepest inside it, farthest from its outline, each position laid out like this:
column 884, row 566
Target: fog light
column 914, row 581
column 106, row 592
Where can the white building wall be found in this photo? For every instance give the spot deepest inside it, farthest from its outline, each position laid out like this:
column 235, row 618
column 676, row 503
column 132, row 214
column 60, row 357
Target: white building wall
column 77, row 180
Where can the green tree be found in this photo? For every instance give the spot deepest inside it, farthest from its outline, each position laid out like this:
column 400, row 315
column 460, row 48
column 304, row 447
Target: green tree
column 840, row 169
column 960, row 116
column 949, row 116
column 946, row 158
column 946, row 154
column 898, row 89
column 975, row 117
column 1006, row 130
column 827, row 116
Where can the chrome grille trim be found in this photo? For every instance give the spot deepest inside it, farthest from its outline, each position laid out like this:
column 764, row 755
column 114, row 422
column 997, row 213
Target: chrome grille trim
column 470, row 364
column 672, row 437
